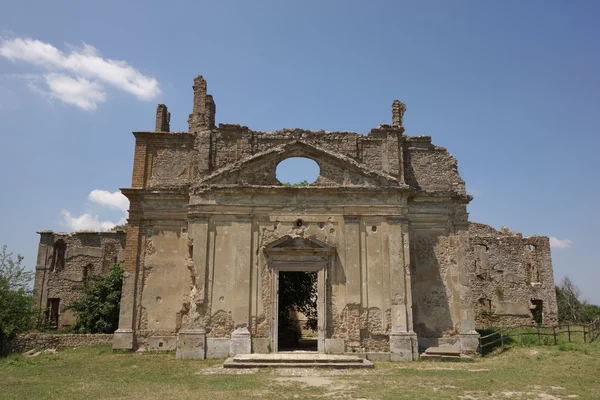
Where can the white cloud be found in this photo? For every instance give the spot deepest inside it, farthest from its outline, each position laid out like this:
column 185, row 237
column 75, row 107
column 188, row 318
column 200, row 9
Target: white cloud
column 114, row 200
column 560, row 243
column 87, row 69
column 77, row 91
column 86, row 222
column 89, row 222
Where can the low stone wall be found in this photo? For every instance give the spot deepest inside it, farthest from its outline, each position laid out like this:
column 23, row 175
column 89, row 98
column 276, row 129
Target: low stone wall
column 30, row 341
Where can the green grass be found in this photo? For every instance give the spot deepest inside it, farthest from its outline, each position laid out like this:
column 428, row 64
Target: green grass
column 569, row 369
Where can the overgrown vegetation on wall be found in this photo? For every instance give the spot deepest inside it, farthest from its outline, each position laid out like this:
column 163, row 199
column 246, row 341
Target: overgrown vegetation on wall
column 298, row 184
column 570, row 307
column 16, row 298
column 98, row 310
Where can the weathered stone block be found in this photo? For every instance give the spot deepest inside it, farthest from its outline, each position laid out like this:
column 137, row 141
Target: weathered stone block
column 191, row 344
column 378, row 356
column 469, row 342
column 123, row 339
column 403, row 346
column 241, row 342
column 335, row 346
column 161, row 343
column 217, row 347
column 261, row 345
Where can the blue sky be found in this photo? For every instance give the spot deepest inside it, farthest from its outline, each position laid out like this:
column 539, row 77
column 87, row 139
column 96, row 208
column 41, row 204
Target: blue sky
column 511, row 88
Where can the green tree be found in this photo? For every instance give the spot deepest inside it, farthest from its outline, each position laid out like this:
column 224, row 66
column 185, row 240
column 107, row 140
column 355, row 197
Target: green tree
column 98, row 310
column 570, row 307
column 298, row 292
column 16, row 298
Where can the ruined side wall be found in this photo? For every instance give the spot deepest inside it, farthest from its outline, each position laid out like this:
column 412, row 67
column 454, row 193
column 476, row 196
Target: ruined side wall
column 508, row 274
column 431, row 168
column 86, row 254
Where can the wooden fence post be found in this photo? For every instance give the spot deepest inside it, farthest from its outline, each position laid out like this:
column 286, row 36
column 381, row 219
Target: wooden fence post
column 520, row 335
column 584, row 334
column 569, row 332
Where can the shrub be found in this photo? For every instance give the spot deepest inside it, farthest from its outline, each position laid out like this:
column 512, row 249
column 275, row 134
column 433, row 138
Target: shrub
column 98, row 310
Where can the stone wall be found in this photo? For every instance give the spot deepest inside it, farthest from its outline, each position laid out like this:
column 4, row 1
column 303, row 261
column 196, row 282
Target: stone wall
column 31, row 341
column 66, row 262
column 511, row 277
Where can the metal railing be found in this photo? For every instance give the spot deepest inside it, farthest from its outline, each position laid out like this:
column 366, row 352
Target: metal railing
column 545, row 334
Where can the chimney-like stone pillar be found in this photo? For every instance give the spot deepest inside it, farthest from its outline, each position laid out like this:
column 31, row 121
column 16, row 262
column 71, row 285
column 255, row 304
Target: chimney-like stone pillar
column 203, row 112
column 163, row 119
column 398, row 110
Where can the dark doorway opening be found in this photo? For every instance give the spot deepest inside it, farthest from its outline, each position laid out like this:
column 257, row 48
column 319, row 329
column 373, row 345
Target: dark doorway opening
column 52, row 312
column 297, row 328
column 537, row 308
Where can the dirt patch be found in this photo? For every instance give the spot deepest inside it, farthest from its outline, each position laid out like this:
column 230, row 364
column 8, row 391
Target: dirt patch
column 333, row 388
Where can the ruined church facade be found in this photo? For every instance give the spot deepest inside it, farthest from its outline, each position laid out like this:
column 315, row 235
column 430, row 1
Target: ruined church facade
column 385, row 227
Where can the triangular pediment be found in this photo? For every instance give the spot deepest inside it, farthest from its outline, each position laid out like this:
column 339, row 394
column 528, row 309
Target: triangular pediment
column 335, row 169
column 298, row 244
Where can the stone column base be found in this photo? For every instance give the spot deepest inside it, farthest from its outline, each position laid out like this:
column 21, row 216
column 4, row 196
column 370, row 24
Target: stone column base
column 403, row 346
column 123, row 339
column 469, row 342
column 191, row 344
column 241, row 342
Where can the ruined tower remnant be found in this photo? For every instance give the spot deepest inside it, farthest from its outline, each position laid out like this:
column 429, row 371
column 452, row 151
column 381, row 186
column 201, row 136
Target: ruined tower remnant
column 398, row 110
column 384, row 230
column 203, row 113
column 163, row 118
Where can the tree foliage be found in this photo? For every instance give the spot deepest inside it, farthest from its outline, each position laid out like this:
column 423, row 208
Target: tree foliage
column 16, row 297
column 98, row 310
column 298, row 292
column 570, row 307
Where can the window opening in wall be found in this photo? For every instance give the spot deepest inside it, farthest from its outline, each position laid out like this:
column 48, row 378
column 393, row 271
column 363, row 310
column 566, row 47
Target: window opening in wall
column 297, row 326
column 537, row 308
column 52, row 308
column 533, row 273
column 58, row 257
column 297, row 171
column 88, row 271
column 531, row 248
column 299, row 223
column 485, row 305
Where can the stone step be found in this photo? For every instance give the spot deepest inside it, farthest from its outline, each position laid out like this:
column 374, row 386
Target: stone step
column 443, row 351
column 438, row 357
column 231, row 364
column 292, row 360
column 442, row 354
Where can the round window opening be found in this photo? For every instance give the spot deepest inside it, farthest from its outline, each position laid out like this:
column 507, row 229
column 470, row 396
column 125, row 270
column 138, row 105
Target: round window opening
column 297, row 171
